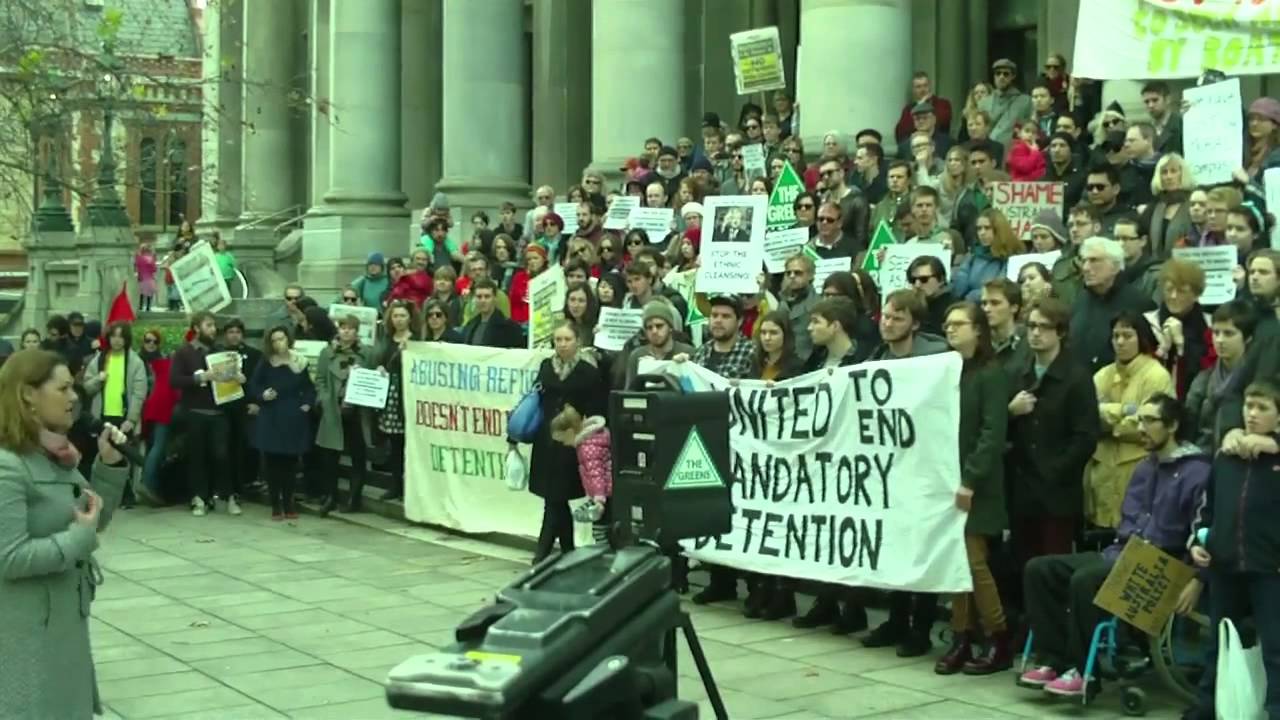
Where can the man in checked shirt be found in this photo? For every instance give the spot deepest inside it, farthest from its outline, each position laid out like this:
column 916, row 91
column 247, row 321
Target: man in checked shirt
column 728, row 354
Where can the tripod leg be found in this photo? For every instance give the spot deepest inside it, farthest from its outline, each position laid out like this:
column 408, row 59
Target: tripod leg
column 704, row 670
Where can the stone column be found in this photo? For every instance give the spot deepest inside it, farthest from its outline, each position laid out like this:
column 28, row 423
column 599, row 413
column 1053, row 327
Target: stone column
column 221, row 67
column 319, row 115
column 561, row 88
column 270, row 34
column 363, row 210
column 865, row 43
column 420, row 102
column 486, row 107
column 637, row 77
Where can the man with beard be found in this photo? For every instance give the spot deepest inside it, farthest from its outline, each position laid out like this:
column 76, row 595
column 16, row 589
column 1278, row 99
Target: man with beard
column 207, row 430
column 669, row 171
column 1159, row 505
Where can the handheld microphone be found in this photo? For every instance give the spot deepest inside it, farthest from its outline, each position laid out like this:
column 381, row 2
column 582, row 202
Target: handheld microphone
column 129, row 452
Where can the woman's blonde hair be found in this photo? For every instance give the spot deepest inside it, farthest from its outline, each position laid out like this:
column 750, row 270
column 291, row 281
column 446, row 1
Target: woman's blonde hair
column 19, row 427
column 1188, row 182
column 1005, row 244
column 568, row 419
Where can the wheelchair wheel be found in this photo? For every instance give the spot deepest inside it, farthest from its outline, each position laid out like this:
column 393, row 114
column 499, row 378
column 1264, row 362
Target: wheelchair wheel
column 1170, row 652
column 1134, row 702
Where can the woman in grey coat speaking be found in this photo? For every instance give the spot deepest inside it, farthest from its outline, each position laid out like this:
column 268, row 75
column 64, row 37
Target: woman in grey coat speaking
column 50, row 518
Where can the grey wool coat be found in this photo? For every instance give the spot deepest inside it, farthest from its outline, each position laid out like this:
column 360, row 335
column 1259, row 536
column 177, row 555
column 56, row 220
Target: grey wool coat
column 331, row 381
column 48, row 578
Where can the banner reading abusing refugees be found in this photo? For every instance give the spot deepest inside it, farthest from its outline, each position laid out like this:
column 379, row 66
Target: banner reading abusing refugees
column 844, row 477
column 456, row 399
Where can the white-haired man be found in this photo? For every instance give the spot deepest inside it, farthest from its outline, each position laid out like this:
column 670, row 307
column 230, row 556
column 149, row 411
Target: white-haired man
column 1105, row 295
column 544, row 197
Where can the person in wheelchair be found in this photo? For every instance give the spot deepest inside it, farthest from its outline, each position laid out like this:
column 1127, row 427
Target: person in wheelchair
column 1236, row 537
column 1159, row 504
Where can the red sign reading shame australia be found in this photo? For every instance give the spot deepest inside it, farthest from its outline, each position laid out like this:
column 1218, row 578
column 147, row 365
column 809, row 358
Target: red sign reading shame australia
column 1021, row 201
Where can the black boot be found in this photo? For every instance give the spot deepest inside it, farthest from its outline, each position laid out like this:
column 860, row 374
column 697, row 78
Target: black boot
column 782, row 602
column 824, row 611
column 759, row 592
column 853, row 619
column 355, row 495
column 723, row 586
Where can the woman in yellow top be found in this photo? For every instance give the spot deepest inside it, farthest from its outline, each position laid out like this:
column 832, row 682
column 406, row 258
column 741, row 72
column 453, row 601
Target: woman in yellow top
column 1122, row 386
column 115, row 384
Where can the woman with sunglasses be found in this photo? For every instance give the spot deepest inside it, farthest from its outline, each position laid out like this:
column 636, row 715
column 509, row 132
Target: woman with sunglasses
column 636, row 240
column 435, row 323
column 610, row 258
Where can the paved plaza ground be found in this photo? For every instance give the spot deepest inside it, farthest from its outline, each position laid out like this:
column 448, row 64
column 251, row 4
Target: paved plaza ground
column 243, row 618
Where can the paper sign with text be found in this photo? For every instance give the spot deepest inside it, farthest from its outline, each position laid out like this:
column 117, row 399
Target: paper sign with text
column 456, row 400
column 620, row 211
column 224, row 367
column 546, row 305
column 617, row 326
column 367, row 388
column 1213, row 131
column 753, row 161
column 782, row 244
column 823, row 267
column 656, row 222
column 839, row 476
column 1022, row 201
column 757, row 60
column 1143, row 586
column 1015, row 263
column 1271, row 183
column 1131, row 39
column 199, row 281
column 732, row 243
column 897, row 258
column 569, row 213
column 1218, row 263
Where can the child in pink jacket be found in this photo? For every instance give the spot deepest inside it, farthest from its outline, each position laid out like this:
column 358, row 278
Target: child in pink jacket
column 590, row 438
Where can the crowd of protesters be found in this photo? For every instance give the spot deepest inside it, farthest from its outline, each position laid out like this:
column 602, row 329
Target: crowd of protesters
column 1100, row 398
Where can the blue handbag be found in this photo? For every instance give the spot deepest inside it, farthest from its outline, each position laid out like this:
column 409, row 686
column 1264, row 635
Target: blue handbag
column 525, row 420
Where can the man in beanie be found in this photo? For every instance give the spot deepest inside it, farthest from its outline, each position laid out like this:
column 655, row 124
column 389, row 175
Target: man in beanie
column 1048, row 229
column 702, row 170
column 1064, row 166
column 691, row 213
column 669, row 172
column 374, row 285
column 661, row 322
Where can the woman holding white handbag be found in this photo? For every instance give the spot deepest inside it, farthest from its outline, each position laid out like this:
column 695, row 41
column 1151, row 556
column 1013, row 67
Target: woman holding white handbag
column 1236, row 537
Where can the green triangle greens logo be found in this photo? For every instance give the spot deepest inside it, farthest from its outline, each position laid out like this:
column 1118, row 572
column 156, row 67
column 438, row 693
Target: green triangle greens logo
column 694, row 468
column 881, row 240
column 782, row 212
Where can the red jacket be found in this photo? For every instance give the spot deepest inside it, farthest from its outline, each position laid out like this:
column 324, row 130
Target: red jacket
column 1025, row 162
column 595, row 463
column 415, row 286
column 159, row 405
column 519, row 296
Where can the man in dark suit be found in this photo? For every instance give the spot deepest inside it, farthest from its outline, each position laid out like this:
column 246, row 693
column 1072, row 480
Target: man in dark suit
column 489, row 327
column 731, row 229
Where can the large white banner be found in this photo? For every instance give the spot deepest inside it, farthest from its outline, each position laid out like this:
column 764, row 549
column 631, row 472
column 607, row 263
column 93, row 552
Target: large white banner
column 1142, row 39
column 845, row 476
column 456, row 400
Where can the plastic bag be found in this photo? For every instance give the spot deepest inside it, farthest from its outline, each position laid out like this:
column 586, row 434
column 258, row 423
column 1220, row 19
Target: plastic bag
column 517, row 471
column 1241, row 685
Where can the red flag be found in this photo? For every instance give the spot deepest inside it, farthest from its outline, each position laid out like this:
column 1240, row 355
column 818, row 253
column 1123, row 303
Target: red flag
column 121, row 308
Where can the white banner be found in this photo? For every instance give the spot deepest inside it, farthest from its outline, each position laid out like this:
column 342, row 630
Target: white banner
column 546, row 305
column 199, row 281
column 367, row 316
column 845, row 477
column 897, row 258
column 1140, row 39
column 1218, row 263
column 1213, row 131
column 732, row 243
column 456, row 400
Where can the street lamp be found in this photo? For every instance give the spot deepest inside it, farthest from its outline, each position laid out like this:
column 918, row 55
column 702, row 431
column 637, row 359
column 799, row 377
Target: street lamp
column 106, row 210
column 52, row 215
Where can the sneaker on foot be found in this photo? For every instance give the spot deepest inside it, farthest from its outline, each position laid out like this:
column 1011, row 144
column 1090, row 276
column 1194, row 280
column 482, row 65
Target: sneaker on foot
column 197, row 507
column 233, row 507
column 1038, row 677
column 1069, row 684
